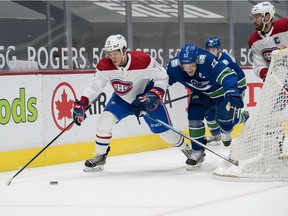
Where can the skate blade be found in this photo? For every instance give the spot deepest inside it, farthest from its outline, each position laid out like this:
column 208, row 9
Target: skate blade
column 214, row 143
column 93, row 169
column 193, row 167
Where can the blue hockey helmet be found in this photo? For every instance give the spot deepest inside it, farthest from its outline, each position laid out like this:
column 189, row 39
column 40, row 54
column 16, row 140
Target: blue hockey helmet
column 213, row 42
column 188, row 54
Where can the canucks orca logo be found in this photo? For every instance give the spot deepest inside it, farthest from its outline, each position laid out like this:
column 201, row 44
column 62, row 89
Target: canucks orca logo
column 200, row 85
column 121, row 87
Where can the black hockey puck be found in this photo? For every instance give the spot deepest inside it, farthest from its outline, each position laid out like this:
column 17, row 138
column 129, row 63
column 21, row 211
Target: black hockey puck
column 53, row 182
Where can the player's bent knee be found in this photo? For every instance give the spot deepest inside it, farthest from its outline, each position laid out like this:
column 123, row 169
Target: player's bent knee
column 105, row 123
column 171, row 137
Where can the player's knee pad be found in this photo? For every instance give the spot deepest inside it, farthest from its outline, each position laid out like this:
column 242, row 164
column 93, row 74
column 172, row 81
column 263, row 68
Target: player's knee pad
column 105, row 124
column 172, row 137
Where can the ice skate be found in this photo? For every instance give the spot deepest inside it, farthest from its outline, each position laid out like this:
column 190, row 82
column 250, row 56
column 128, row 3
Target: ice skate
column 214, row 140
column 97, row 163
column 226, row 139
column 195, row 159
column 188, row 151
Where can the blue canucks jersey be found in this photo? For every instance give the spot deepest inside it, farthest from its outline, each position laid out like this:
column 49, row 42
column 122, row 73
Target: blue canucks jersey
column 212, row 77
column 231, row 63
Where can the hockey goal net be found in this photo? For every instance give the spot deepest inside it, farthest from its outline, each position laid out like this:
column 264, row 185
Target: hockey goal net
column 262, row 146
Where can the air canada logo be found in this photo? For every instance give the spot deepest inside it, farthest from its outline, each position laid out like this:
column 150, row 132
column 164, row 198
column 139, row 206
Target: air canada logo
column 62, row 105
column 121, row 87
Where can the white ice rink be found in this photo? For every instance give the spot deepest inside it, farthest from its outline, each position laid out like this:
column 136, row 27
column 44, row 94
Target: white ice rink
column 144, row 184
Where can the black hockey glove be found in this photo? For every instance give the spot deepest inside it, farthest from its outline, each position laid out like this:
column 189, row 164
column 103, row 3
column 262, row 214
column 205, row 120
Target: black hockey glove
column 234, row 98
column 151, row 99
column 79, row 112
column 136, row 107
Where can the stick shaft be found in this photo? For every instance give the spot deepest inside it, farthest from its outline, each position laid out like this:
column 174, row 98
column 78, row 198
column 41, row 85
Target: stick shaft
column 176, row 99
column 236, row 163
column 42, row 150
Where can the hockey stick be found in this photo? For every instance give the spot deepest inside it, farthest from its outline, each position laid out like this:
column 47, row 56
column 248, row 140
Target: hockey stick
column 176, row 99
column 236, row 163
column 10, row 180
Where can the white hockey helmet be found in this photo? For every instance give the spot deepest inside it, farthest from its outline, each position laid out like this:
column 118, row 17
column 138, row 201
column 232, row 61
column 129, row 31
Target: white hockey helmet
column 263, row 8
column 115, row 42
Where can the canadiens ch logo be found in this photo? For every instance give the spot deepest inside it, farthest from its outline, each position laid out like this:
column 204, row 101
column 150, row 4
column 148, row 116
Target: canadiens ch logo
column 121, row 87
column 267, row 54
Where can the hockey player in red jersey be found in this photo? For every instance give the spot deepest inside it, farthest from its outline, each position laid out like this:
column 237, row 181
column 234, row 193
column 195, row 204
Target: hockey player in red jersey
column 269, row 35
column 139, row 83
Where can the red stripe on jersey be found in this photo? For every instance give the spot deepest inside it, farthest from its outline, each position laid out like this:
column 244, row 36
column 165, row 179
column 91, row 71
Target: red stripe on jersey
column 253, row 38
column 103, row 137
column 139, row 60
column 105, row 64
column 167, row 114
column 280, row 25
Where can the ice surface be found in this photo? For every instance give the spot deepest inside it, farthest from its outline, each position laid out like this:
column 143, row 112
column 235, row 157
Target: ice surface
column 145, row 184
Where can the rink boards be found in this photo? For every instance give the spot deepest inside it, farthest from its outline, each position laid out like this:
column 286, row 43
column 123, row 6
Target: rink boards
column 37, row 106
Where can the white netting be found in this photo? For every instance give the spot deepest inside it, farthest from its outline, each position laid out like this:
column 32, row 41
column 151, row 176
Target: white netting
column 262, row 146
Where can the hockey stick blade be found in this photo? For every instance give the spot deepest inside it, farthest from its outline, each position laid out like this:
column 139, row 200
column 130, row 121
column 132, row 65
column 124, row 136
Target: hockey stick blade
column 9, row 181
column 236, row 163
column 43, row 149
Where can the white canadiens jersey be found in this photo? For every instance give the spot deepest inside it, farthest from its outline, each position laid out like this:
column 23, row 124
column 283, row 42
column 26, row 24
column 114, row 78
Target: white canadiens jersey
column 128, row 81
column 263, row 44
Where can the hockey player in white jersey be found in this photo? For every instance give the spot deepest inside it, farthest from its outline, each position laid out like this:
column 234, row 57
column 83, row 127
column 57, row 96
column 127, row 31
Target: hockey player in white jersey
column 269, row 35
column 139, row 83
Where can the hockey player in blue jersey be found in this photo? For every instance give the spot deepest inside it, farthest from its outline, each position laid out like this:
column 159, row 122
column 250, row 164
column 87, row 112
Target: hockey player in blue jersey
column 213, row 45
column 213, row 85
